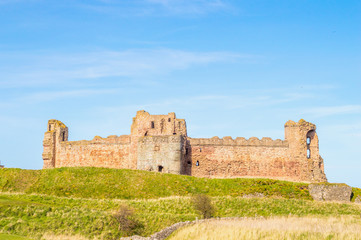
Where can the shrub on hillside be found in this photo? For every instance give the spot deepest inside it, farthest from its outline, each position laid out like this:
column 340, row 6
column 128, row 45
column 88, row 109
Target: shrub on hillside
column 125, row 218
column 203, row 204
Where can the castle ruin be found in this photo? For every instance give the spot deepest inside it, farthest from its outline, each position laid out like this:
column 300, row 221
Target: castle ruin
column 160, row 143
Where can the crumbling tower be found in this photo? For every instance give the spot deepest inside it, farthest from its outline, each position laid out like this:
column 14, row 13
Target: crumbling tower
column 303, row 149
column 56, row 132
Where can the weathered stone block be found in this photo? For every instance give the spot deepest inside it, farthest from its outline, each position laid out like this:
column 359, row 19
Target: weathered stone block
column 330, row 192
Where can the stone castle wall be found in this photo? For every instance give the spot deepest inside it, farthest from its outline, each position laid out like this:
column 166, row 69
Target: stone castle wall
column 240, row 157
column 111, row 152
column 160, row 143
column 161, row 153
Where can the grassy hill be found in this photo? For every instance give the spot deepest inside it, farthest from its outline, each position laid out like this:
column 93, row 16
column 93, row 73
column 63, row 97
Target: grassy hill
column 82, row 201
column 103, row 183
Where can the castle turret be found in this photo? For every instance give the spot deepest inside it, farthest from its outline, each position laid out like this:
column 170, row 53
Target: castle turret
column 303, row 149
column 56, row 132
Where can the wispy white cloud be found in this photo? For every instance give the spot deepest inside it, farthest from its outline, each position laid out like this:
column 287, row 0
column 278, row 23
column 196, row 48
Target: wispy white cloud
column 190, row 7
column 333, row 110
column 248, row 99
column 54, row 95
column 35, row 97
column 37, row 69
column 158, row 7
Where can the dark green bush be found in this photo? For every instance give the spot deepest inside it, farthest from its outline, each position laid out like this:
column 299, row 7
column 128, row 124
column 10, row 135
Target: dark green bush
column 203, row 204
column 126, row 220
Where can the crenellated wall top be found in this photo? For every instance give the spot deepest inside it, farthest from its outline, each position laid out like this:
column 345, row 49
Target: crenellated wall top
column 300, row 123
column 161, row 139
column 239, row 141
column 112, row 139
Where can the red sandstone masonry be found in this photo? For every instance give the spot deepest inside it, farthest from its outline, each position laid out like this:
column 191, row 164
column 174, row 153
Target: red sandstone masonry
column 111, row 152
column 160, row 143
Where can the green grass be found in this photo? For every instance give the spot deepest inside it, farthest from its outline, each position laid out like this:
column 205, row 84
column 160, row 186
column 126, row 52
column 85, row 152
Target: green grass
column 12, row 237
column 36, row 215
column 104, row 183
column 82, row 201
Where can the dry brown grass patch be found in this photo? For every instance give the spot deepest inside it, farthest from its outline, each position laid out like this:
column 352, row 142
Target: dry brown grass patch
column 274, row 228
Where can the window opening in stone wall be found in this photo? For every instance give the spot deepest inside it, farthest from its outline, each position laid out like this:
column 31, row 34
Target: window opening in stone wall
column 168, row 119
column 152, row 124
column 174, row 133
column 200, row 150
column 186, row 151
column 308, row 140
column 189, row 162
column 197, row 163
column 308, row 153
column 179, row 125
column 146, row 133
column 49, row 127
column 63, row 136
column 160, row 168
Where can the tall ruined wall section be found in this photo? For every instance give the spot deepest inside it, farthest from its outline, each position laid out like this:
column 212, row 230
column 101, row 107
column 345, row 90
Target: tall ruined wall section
column 303, row 148
column 112, row 152
column 56, row 132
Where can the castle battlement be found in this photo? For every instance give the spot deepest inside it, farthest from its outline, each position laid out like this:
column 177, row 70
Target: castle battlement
column 160, row 143
column 113, row 139
column 239, row 141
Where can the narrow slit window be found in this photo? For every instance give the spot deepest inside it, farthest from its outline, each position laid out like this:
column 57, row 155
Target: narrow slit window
column 308, row 140
column 49, row 127
column 63, row 136
column 152, row 124
column 200, row 150
column 168, row 119
column 308, row 153
column 160, row 168
column 197, row 163
column 186, row 151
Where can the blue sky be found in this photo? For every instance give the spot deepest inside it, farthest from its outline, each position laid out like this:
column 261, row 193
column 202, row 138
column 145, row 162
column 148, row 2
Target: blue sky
column 230, row 68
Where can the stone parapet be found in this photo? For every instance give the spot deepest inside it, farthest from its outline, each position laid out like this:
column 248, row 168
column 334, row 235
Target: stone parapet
column 239, row 141
column 110, row 140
